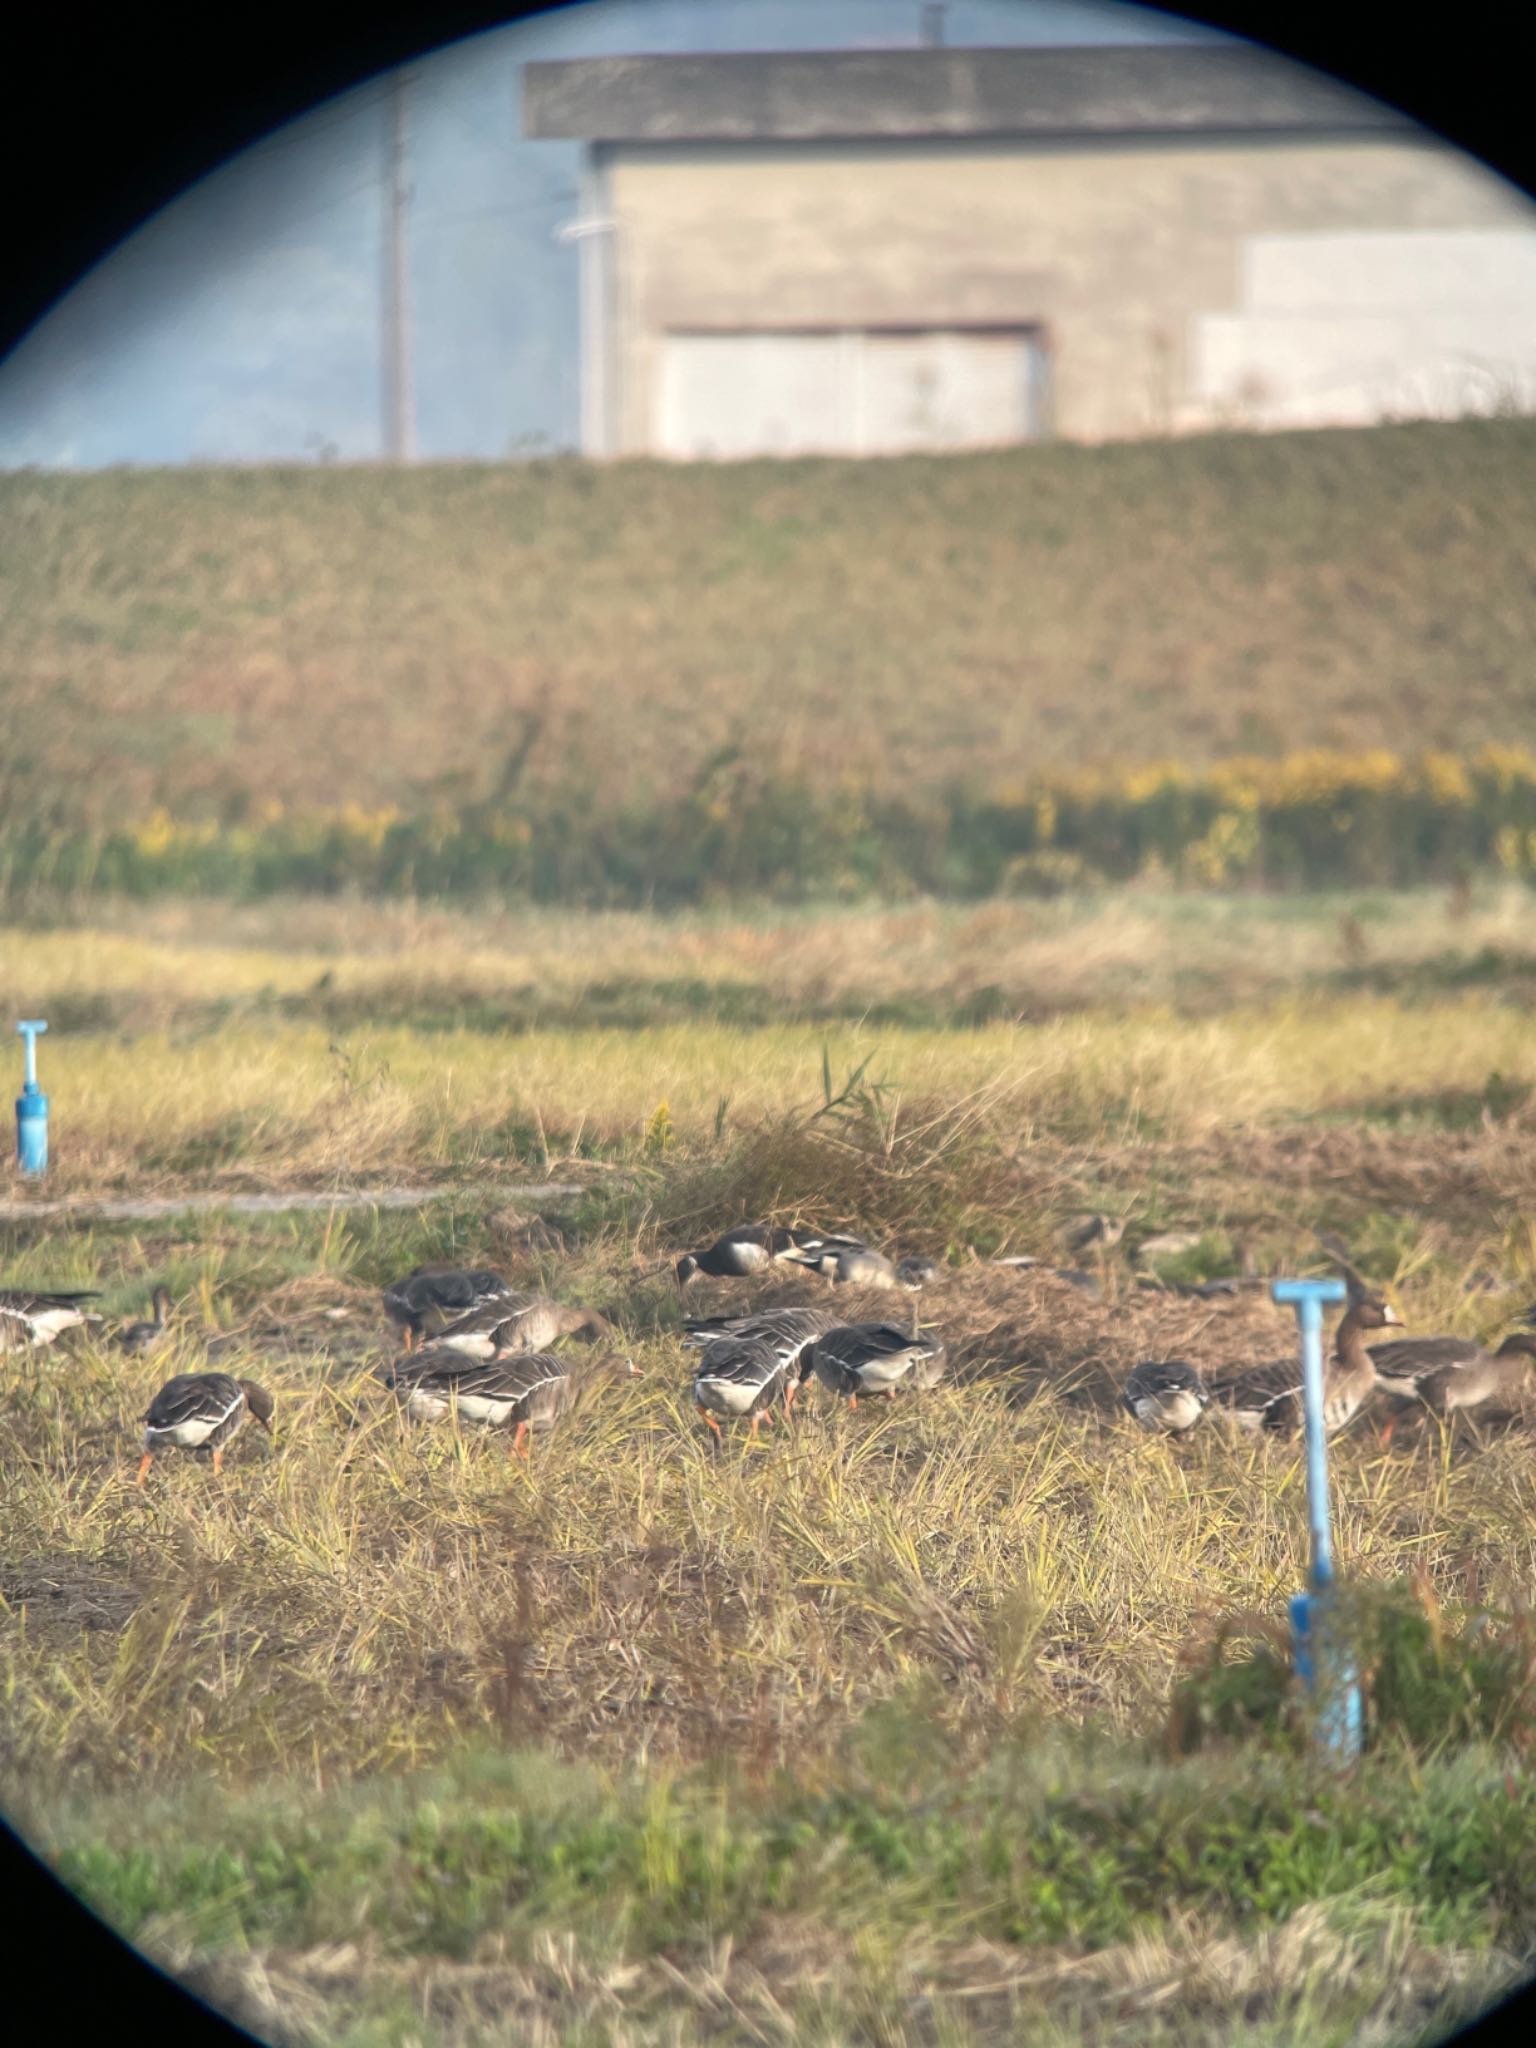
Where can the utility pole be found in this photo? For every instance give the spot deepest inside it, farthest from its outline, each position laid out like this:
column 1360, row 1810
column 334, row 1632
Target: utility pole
column 593, row 232
column 399, row 408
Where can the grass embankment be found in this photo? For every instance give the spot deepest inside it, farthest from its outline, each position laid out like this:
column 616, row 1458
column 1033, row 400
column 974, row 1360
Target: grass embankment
column 555, row 659
column 860, row 1733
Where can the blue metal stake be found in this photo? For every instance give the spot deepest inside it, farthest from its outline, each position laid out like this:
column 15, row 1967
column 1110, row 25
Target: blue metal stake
column 1322, row 1665
column 32, row 1107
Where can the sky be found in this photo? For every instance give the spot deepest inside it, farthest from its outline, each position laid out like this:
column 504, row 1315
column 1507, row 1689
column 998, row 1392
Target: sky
column 242, row 323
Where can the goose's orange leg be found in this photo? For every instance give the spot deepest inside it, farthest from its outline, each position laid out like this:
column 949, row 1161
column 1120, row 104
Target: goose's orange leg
column 218, row 1459
column 710, row 1420
column 853, row 1402
column 144, row 1464
column 520, row 1441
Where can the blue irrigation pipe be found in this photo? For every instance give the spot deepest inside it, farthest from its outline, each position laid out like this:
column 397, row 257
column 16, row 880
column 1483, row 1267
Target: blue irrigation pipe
column 32, row 1107
column 1320, row 1655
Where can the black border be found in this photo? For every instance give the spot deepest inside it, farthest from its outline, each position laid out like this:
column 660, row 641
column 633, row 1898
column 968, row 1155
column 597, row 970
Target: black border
column 111, row 111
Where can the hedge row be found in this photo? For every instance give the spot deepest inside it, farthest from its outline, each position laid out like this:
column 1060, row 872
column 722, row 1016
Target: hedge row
column 1310, row 821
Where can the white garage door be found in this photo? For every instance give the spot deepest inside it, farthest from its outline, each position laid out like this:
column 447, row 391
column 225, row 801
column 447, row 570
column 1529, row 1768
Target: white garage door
column 850, row 393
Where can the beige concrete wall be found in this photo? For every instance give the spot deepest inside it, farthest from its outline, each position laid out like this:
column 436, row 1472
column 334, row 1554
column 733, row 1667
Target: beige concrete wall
column 1120, row 250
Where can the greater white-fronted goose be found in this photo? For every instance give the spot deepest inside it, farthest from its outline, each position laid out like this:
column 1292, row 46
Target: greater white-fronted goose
column 848, row 1265
column 872, row 1358
column 523, row 1322
column 862, row 1266
column 201, row 1411
column 29, row 1318
column 749, row 1248
column 523, row 1390
column 787, row 1330
column 916, row 1272
column 149, row 1336
column 1402, row 1366
column 1503, row 1381
column 432, row 1297
column 1094, row 1233
column 1269, row 1397
column 740, row 1377
column 1166, row 1394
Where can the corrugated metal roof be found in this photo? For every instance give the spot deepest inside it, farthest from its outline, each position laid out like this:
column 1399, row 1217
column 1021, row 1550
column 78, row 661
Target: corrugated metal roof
column 890, row 94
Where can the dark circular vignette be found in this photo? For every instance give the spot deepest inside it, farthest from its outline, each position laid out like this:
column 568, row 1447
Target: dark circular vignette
column 117, row 112
column 92, row 1981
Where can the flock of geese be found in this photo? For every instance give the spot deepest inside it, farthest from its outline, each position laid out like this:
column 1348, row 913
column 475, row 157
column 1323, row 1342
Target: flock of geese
column 473, row 1346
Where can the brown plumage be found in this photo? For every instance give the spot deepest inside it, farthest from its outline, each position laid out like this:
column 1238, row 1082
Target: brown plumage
column 201, row 1411
column 432, row 1297
column 151, row 1335
column 1448, row 1373
column 521, row 1390
column 1503, row 1381
column 28, row 1318
column 1269, row 1396
column 522, row 1322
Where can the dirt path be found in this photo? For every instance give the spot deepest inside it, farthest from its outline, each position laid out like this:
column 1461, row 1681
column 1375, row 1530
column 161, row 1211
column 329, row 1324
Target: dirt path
column 266, row 1204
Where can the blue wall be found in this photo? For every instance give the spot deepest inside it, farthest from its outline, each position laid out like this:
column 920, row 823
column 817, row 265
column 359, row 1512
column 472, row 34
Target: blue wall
column 242, row 323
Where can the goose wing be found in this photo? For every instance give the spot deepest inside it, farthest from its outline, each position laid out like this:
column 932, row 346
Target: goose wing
column 879, row 1353
column 738, row 1375
column 1409, row 1359
column 515, row 1379
column 450, row 1290
column 787, row 1330
column 24, row 1301
column 509, row 1382
column 192, row 1397
column 811, row 1247
column 1260, row 1388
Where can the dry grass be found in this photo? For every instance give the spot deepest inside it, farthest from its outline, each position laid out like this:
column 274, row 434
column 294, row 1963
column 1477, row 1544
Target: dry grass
column 795, row 1982
column 155, row 964
column 216, row 640
column 937, row 1587
column 317, row 1044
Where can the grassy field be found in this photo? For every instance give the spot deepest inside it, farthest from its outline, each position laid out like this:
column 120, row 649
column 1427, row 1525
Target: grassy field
column 917, row 1726
column 218, row 642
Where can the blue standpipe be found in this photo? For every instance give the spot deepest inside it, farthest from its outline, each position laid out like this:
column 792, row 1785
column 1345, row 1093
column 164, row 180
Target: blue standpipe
column 1320, row 1654
column 32, row 1107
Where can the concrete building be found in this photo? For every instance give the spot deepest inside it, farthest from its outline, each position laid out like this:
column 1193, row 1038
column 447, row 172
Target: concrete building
column 873, row 252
